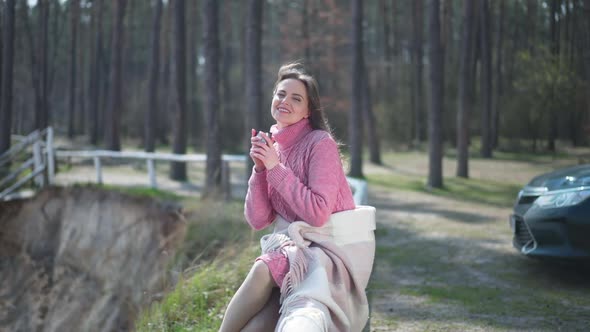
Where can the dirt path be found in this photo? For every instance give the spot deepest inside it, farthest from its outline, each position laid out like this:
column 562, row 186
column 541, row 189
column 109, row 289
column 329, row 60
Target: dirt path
column 447, row 265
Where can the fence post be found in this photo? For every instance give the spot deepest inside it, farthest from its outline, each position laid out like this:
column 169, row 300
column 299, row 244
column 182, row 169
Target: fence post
column 98, row 169
column 38, row 164
column 50, row 156
column 152, row 173
column 225, row 180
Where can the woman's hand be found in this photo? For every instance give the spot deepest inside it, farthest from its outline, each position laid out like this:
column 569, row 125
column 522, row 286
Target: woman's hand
column 263, row 153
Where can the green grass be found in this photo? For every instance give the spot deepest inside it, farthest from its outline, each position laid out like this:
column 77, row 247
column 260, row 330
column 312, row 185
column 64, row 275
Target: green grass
column 472, row 190
column 145, row 192
column 216, row 254
column 197, row 303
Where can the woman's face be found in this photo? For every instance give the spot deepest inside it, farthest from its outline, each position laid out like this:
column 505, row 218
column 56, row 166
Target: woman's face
column 289, row 103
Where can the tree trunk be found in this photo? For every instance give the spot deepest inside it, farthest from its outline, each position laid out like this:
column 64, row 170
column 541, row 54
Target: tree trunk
column 178, row 169
column 163, row 125
column 305, row 28
column 42, row 104
column 95, row 77
column 355, row 113
column 417, row 89
column 436, row 57
column 7, row 74
column 113, row 116
column 74, row 19
column 231, row 120
column 531, row 26
column 211, row 50
column 465, row 81
column 486, row 80
column 195, row 124
column 497, row 101
column 388, row 90
column 253, row 72
column 553, row 118
column 150, row 119
column 369, row 118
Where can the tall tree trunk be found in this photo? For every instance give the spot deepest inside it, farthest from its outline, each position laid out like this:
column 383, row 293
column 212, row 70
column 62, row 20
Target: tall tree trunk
column 178, row 169
column 211, row 49
column 418, row 53
column 150, row 119
column 389, row 90
column 497, row 101
column 42, row 105
column 553, row 118
column 531, row 25
column 96, row 76
column 436, row 57
column 74, row 19
column 305, row 28
column 231, row 121
column 194, row 112
column 7, row 74
column 465, row 81
column 81, row 90
column 355, row 135
column 163, row 127
column 253, row 71
column 113, row 118
column 486, row 80
column 369, row 118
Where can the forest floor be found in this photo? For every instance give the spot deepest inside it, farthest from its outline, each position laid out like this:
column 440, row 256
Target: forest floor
column 444, row 259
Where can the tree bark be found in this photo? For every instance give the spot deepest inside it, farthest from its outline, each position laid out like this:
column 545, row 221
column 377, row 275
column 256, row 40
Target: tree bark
column 486, row 80
column 154, row 76
column 465, row 81
column 417, row 86
column 552, row 118
column 253, row 72
column 497, row 101
column 369, row 118
column 355, row 113
column 195, row 125
column 95, row 77
column 211, row 49
column 115, row 109
column 436, row 57
column 7, row 74
column 74, row 19
column 178, row 169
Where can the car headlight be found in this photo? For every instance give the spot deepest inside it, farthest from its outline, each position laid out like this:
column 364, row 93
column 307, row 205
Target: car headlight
column 562, row 198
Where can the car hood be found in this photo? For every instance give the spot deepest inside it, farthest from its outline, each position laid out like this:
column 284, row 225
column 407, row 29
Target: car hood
column 564, row 178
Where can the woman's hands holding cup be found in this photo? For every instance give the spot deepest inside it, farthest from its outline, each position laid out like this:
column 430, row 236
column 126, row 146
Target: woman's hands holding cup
column 262, row 151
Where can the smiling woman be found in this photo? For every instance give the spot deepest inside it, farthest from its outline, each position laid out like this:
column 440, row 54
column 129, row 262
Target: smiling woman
column 298, row 186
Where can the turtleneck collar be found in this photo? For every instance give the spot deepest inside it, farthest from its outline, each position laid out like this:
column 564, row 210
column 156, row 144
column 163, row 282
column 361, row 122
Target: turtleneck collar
column 292, row 134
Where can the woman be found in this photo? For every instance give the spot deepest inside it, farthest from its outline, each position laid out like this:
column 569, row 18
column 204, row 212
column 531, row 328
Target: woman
column 297, row 176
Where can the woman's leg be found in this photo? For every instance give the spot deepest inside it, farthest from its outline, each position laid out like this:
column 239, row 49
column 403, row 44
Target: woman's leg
column 250, row 298
column 267, row 318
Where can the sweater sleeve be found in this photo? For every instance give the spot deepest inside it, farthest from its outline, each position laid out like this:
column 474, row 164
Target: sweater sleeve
column 315, row 202
column 257, row 207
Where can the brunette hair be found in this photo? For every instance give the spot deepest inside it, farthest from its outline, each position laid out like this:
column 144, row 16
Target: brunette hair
column 295, row 70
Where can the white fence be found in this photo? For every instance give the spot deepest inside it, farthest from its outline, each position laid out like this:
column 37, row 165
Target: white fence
column 44, row 157
column 37, row 150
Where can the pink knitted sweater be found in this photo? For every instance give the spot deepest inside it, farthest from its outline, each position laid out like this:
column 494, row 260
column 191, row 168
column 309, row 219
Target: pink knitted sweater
column 308, row 185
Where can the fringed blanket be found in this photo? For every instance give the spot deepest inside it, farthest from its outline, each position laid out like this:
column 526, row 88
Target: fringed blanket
column 330, row 267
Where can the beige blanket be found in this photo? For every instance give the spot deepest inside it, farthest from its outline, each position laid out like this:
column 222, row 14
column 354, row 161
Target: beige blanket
column 330, row 267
